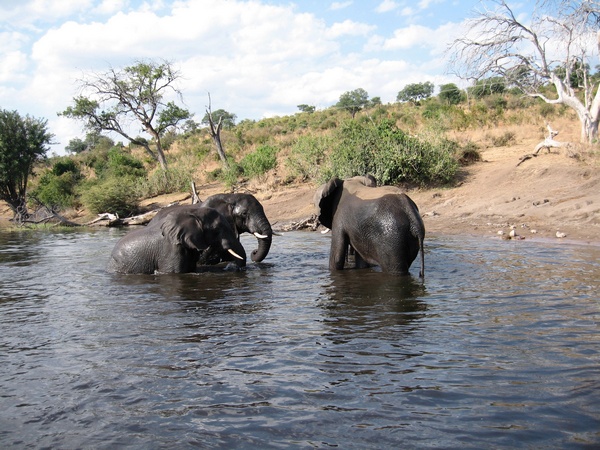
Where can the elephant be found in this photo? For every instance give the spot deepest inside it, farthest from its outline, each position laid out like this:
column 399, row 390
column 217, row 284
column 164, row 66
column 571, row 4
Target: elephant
column 174, row 244
column 244, row 213
column 382, row 224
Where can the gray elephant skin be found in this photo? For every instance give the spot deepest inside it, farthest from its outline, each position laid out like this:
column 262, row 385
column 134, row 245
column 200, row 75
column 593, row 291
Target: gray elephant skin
column 244, row 213
column 174, row 244
column 382, row 224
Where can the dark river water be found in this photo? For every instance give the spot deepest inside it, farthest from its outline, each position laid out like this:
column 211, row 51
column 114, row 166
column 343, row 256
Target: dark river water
column 499, row 347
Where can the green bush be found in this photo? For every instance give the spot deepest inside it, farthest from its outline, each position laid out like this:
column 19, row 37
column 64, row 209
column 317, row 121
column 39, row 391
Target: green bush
column 176, row 179
column 306, row 156
column 112, row 195
column 56, row 188
column 259, row 162
column 390, row 155
column 56, row 191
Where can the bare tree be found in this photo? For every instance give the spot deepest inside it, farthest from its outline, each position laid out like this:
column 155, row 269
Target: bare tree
column 215, row 132
column 136, row 93
column 553, row 48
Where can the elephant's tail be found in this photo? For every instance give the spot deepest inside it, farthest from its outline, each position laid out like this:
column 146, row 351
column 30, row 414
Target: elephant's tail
column 422, row 273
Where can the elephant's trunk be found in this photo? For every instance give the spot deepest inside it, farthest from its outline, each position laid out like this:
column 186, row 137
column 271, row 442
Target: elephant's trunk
column 264, row 234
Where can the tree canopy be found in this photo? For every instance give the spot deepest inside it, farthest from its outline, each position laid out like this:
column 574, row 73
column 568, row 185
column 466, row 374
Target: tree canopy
column 548, row 48
column 415, row 92
column 353, row 101
column 227, row 119
column 23, row 141
column 112, row 100
column 450, row 94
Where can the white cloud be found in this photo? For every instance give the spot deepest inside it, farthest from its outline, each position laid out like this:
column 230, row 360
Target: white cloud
column 335, row 6
column 386, row 6
column 350, row 28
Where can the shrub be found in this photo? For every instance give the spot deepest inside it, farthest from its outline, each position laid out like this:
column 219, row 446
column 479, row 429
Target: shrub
column 112, row 195
column 56, row 188
column 390, row 155
column 56, row 191
column 506, row 138
column 468, row 154
column 259, row 162
column 176, row 179
column 306, row 156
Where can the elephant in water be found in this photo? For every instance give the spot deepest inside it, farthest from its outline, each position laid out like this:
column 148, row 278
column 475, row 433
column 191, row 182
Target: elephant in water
column 244, row 213
column 174, row 244
column 382, row 224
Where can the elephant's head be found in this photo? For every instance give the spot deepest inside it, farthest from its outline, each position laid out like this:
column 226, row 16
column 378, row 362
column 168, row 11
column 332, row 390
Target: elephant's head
column 197, row 229
column 246, row 215
column 326, row 199
column 327, row 196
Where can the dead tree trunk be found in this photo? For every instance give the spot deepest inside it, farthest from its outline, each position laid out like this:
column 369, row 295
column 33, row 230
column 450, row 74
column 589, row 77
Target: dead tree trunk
column 215, row 134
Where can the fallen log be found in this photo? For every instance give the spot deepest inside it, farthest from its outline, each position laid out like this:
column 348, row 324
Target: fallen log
column 547, row 143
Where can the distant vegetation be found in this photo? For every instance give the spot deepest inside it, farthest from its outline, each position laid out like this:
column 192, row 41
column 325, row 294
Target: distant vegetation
column 404, row 143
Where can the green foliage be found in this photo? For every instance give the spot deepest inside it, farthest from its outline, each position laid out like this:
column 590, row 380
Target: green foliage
column 119, row 164
column 227, row 119
column 390, row 155
column 113, row 195
column 489, row 86
column 57, row 187
column 306, row 156
column 176, row 179
column 259, row 162
column 23, row 142
column 450, row 94
column 353, row 101
column 415, row 92
column 307, row 108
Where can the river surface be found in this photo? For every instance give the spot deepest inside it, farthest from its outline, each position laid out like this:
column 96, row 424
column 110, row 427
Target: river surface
column 499, row 347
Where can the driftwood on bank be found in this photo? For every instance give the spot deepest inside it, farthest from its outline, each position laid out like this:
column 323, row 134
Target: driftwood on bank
column 547, row 143
column 309, row 223
column 113, row 220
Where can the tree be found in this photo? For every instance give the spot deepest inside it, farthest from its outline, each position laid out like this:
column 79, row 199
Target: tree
column 135, row 93
column 23, row 141
column 215, row 132
column 415, row 92
column 450, row 94
column 527, row 54
column 92, row 141
column 307, row 108
column 220, row 115
column 353, row 101
column 487, row 86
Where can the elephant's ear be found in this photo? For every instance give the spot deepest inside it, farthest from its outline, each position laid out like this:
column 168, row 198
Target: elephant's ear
column 324, row 200
column 185, row 230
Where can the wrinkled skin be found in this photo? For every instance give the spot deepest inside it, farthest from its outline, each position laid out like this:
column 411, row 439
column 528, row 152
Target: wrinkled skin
column 244, row 213
column 382, row 224
column 174, row 244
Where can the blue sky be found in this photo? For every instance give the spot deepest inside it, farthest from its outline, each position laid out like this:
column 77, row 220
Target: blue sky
column 257, row 58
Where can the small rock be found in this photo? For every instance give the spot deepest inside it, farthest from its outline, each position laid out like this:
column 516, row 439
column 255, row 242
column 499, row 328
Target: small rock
column 534, row 231
column 560, row 234
column 512, row 233
column 501, row 232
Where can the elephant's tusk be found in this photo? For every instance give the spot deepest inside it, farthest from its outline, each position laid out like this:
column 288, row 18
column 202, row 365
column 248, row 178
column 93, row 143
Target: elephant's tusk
column 235, row 254
column 260, row 236
column 325, row 231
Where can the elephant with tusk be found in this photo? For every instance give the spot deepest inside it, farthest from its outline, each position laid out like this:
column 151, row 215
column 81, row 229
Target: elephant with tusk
column 174, row 243
column 244, row 213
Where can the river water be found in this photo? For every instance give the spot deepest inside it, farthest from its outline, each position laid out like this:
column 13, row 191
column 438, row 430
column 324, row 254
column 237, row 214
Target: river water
column 499, row 347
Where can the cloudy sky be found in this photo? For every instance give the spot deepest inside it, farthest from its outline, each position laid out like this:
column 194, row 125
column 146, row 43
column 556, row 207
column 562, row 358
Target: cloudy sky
column 257, row 58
